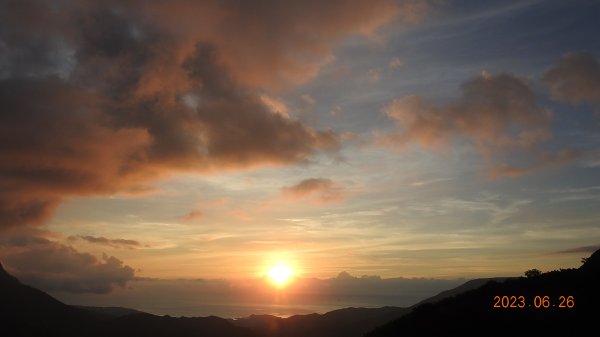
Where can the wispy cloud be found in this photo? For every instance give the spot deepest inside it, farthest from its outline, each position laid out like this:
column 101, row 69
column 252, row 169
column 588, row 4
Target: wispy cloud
column 575, row 194
column 582, row 249
column 320, row 190
column 100, row 240
column 192, row 215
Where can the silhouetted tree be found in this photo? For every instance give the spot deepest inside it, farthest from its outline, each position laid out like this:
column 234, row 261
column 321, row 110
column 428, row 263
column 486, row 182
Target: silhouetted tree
column 584, row 260
column 533, row 273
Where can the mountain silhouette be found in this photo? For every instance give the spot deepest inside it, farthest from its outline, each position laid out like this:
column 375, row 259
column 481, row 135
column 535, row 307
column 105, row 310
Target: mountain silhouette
column 465, row 310
column 26, row 311
column 469, row 285
column 473, row 312
column 108, row 313
column 347, row 322
column 147, row 325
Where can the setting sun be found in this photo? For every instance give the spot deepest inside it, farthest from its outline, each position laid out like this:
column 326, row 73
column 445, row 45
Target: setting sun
column 280, row 275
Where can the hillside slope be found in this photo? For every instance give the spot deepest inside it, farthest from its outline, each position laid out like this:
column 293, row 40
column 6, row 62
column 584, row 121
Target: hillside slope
column 28, row 312
column 473, row 312
column 347, row 322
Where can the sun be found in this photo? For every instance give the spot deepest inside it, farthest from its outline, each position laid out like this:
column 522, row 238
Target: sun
column 280, row 275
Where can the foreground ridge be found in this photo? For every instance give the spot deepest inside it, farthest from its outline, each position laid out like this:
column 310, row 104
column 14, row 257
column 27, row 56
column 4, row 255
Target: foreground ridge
column 564, row 300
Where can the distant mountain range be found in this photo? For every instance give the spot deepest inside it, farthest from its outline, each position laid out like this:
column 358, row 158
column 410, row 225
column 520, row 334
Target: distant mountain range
column 465, row 310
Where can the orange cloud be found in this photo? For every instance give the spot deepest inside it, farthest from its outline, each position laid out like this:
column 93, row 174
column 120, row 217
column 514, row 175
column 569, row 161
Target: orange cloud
column 138, row 92
column 271, row 43
column 497, row 113
column 56, row 143
column 320, row 190
column 494, row 111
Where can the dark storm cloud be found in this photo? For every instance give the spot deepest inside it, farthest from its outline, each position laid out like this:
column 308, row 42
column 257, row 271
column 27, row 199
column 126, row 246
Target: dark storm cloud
column 575, row 79
column 52, row 266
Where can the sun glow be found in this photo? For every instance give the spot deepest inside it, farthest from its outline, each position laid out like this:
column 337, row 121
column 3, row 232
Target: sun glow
column 280, row 275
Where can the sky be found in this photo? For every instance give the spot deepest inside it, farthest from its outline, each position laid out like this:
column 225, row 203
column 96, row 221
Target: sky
column 352, row 141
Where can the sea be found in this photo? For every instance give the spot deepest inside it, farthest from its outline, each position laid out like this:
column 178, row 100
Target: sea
column 203, row 298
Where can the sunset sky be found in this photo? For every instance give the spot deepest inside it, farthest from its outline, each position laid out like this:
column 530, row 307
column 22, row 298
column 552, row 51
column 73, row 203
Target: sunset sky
column 215, row 139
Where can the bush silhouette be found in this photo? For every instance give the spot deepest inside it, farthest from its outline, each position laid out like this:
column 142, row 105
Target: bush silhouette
column 533, row 273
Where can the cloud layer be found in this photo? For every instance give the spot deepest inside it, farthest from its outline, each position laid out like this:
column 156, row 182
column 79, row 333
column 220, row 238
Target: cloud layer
column 55, row 267
column 115, row 243
column 100, row 98
column 583, row 249
column 496, row 113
